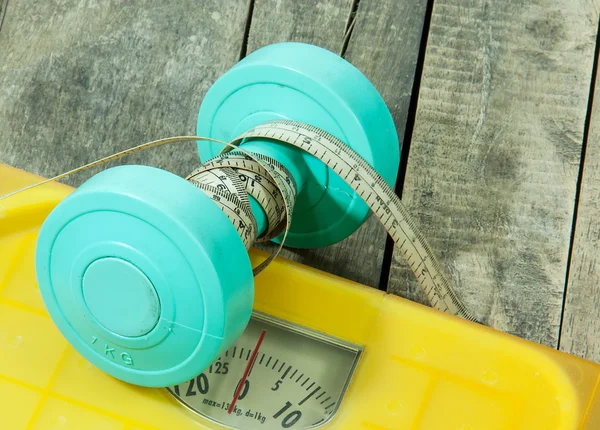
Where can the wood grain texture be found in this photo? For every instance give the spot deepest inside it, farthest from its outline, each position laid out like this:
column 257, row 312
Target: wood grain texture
column 83, row 79
column 581, row 322
column 384, row 46
column 3, row 5
column 495, row 153
column 318, row 22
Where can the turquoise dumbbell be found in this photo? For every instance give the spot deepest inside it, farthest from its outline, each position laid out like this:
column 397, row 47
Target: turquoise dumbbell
column 147, row 277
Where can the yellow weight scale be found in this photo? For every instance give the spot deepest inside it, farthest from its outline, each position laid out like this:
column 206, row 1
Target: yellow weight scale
column 420, row 369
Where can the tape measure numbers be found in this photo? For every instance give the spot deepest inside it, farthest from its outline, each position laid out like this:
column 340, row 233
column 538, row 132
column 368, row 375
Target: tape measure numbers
column 240, row 175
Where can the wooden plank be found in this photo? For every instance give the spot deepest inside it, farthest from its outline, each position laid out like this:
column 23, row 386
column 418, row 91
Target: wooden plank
column 320, row 23
column 83, row 79
column 380, row 26
column 495, row 152
column 581, row 321
column 3, row 4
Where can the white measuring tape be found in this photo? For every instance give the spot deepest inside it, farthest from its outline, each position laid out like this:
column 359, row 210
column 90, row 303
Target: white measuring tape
column 229, row 178
column 237, row 174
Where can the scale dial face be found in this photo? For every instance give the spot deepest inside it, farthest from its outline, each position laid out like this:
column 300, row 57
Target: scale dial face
column 296, row 381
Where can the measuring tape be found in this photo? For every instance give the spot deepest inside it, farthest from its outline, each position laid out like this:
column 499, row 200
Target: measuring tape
column 232, row 171
column 229, row 178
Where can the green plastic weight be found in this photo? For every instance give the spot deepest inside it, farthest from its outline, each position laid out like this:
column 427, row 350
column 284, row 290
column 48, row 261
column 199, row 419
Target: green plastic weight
column 145, row 275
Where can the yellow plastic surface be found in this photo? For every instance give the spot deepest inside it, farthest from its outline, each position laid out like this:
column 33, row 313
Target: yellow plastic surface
column 421, row 369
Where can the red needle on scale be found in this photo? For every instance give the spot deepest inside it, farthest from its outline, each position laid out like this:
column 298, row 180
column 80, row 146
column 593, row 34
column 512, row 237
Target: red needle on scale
column 246, row 372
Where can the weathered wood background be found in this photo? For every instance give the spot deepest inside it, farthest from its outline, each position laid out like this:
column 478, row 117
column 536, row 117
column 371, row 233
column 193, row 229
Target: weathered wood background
column 495, row 154
column 493, row 102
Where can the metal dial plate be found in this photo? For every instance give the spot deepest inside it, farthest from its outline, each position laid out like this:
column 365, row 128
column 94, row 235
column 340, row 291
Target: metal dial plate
column 296, row 381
